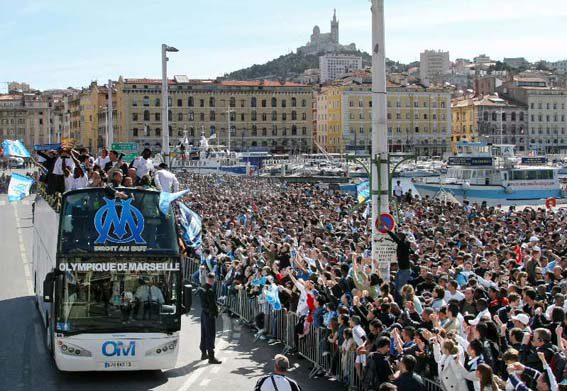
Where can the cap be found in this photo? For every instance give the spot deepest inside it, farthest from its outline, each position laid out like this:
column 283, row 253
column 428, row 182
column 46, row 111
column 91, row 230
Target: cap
column 522, row 318
column 534, row 239
column 536, row 248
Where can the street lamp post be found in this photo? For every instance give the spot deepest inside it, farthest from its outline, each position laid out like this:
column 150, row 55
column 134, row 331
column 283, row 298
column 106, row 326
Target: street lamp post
column 228, row 112
column 165, row 101
column 109, row 119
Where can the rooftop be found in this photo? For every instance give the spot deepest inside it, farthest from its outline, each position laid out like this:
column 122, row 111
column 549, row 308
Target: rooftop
column 182, row 79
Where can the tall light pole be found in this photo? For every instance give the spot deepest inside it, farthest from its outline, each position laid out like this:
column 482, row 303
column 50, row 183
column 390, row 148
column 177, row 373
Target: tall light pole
column 110, row 123
column 379, row 152
column 165, row 102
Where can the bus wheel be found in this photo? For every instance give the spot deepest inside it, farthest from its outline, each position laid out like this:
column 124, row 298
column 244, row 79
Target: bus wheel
column 48, row 334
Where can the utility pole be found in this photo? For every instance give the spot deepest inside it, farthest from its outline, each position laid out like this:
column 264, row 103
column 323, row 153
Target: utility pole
column 110, row 123
column 228, row 112
column 379, row 154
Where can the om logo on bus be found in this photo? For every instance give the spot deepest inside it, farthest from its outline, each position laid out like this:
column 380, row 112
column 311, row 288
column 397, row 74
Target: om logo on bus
column 124, row 227
column 118, row 348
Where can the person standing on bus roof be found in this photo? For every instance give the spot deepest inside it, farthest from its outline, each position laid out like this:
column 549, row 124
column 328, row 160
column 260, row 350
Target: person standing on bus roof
column 165, row 180
column 209, row 313
column 143, row 164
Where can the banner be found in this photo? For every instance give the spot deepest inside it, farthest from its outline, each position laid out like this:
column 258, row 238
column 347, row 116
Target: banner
column 192, row 225
column 15, row 148
column 363, row 191
column 19, row 187
column 46, row 147
column 165, row 199
column 272, row 294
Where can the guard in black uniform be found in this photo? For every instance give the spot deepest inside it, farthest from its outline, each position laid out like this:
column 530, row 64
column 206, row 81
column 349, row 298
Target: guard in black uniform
column 209, row 314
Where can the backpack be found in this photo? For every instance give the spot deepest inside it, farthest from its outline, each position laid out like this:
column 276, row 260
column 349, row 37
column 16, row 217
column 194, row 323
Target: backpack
column 558, row 364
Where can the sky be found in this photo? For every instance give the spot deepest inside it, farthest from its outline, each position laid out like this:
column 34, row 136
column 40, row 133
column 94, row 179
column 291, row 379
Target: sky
column 61, row 43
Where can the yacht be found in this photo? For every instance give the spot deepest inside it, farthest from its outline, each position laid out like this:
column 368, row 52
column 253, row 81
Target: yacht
column 481, row 172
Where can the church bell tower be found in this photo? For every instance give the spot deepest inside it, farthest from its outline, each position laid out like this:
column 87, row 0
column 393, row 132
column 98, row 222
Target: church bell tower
column 335, row 28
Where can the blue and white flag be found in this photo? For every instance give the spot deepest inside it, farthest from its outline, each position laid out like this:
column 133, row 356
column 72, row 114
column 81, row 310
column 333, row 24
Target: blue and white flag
column 259, row 281
column 15, row 148
column 191, row 225
column 19, row 187
column 272, row 294
column 165, row 199
column 363, row 191
column 366, row 212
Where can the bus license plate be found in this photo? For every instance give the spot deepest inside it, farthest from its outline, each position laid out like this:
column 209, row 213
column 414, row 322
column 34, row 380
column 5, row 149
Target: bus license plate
column 117, row 364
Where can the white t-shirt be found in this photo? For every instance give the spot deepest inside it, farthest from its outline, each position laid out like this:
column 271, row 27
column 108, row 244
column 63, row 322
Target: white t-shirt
column 359, row 335
column 101, row 161
column 282, row 384
column 398, row 191
column 302, row 307
column 166, row 181
column 142, row 166
column 58, row 166
column 454, row 296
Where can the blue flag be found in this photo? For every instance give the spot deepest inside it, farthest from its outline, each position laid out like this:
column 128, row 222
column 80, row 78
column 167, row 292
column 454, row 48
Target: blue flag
column 191, row 225
column 165, row 199
column 363, row 191
column 259, row 281
column 15, row 148
column 19, row 187
column 273, row 296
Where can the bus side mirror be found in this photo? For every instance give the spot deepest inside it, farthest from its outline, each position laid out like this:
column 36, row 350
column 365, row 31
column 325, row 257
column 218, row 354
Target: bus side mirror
column 48, row 287
column 187, row 297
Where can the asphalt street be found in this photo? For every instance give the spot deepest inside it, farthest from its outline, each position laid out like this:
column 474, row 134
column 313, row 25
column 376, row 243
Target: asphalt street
column 26, row 365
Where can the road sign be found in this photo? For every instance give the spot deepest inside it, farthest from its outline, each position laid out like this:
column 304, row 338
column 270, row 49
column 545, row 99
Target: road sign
column 385, row 222
column 125, row 147
column 550, row 202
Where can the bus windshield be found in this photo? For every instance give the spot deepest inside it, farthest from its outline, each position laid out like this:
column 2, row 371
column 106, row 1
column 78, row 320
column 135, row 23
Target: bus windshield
column 98, row 295
column 92, row 221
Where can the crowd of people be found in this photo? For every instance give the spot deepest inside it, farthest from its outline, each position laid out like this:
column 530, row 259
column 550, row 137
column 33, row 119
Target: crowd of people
column 69, row 169
column 477, row 302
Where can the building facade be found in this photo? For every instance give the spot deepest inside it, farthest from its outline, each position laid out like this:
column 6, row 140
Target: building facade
column 261, row 115
column 546, row 112
column 419, row 119
column 434, row 66
column 333, row 66
column 25, row 117
column 516, row 62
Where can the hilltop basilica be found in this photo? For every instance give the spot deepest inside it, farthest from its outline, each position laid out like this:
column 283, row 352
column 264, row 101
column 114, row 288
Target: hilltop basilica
column 325, row 42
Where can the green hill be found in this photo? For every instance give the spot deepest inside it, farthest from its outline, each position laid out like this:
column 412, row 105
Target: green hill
column 286, row 67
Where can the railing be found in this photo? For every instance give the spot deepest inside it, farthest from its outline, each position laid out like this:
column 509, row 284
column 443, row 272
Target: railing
column 326, row 358
column 54, row 200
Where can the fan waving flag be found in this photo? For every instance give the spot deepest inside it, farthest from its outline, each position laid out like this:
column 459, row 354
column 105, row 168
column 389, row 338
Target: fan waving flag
column 272, row 294
column 19, row 187
column 191, row 226
column 165, row 199
column 15, row 148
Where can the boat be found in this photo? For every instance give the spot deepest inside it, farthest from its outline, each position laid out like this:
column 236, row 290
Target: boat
column 481, row 172
column 209, row 159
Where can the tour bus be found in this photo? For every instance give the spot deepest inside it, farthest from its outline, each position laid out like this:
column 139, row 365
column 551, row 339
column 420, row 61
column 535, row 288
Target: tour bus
column 108, row 280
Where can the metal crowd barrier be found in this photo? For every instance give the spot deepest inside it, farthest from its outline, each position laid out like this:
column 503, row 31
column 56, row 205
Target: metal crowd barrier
column 326, row 358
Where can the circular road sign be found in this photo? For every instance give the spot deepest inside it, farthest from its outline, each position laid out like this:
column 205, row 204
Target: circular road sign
column 385, row 222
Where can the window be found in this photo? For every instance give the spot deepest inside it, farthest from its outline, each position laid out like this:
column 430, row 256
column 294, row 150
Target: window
column 284, row 117
column 134, row 118
column 180, row 117
column 190, row 102
column 179, row 102
column 294, row 130
column 158, row 132
column 233, row 116
column 201, row 103
column 191, row 131
column 157, row 116
column 191, row 116
column 134, row 103
column 212, row 116
column 274, row 102
column 274, row 130
column 284, row 103
column 293, row 102
column 304, row 131
column 201, row 117
column 146, row 101
column 157, row 102
column 513, row 116
column 213, row 130
column 169, row 101
column 494, row 116
column 274, row 116
column 253, row 115
column 170, row 131
column 303, row 103
column 146, row 115
column 264, row 132
column 253, row 102
column 304, row 116
column 284, row 132
column 254, row 131
column 169, row 115
column 294, row 116
column 503, row 116
column 232, row 101
column 135, row 132
column 264, row 117
column 212, row 101
column 264, row 103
